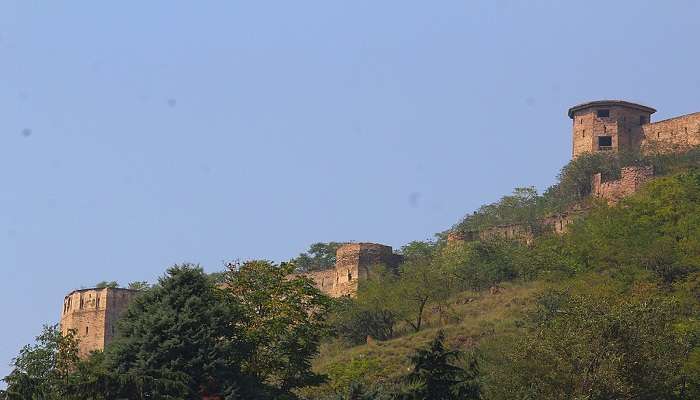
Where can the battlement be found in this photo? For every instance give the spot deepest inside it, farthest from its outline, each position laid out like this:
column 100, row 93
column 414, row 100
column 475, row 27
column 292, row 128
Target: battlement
column 93, row 314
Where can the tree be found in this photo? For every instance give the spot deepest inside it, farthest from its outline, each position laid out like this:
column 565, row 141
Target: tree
column 180, row 340
column 420, row 282
column 373, row 313
column 357, row 391
column 138, row 285
column 436, row 377
column 320, row 256
column 595, row 346
column 43, row 371
column 105, row 284
column 285, row 319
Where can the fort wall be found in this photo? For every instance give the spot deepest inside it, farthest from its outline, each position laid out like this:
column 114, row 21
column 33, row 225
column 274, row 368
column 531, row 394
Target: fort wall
column 674, row 134
column 632, row 179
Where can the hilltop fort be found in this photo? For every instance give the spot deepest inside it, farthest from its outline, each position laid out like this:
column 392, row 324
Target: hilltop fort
column 598, row 126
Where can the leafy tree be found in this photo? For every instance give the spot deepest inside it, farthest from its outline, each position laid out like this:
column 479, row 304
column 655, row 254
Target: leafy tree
column 657, row 229
column 138, row 285
column 105, row 284
column 420, row 283
column 320, row 256
column 180, row 340
column 285, row 321
column 373, row 313
column 436, row 377
column 44, row 371
column 523, row 206
column 594, row 347
column 357, row 391
column 418, row 250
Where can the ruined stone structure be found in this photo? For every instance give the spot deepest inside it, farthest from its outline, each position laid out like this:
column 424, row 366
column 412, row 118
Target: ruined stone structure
column 559, row 222
column 93, row 314
column 615, row 125
column 613, row 191
column 354, row 262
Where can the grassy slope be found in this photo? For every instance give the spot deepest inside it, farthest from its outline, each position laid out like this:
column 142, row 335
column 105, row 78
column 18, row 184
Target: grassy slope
column 467, row 319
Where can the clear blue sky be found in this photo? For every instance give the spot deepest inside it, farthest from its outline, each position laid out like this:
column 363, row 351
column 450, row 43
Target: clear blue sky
column 139, row 134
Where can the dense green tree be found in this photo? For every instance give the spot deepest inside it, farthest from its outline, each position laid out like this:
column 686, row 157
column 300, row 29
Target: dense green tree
column 180, row 340
column 44, row 371
column 420, row 283
column 373, row 313
column 106, row 284
column 285, row 321
column 436, row 376
column 320, row 256
column 138, row 285
column 594, row 347
column 479, row 265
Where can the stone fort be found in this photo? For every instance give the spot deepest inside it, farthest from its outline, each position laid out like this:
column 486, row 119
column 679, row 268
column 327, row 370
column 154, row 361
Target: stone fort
column 92, row 314
column 598, row 126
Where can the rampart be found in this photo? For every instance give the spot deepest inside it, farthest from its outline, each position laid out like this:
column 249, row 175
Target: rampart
column 673, row 134
column 93, row 315
column 613, row 191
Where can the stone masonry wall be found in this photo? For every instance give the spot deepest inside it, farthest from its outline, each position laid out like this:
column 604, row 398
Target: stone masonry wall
column 613, row 191
column 521, row 232
column 674, row 134
column 93, row 313
column 354, row 262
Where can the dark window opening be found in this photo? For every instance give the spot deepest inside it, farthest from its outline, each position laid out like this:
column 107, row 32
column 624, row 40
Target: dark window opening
column 604, row 142
column 642, row 120
column 349, row 276
column 603, row 113
column 87, row 328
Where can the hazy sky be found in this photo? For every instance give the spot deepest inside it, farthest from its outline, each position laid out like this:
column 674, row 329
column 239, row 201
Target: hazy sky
column 139, row 134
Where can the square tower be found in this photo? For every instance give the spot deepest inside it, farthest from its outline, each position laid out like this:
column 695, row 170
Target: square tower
column 608, row 125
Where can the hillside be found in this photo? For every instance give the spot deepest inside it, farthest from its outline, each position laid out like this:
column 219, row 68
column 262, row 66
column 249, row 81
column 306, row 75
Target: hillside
column 607, row 309
column 633, row 268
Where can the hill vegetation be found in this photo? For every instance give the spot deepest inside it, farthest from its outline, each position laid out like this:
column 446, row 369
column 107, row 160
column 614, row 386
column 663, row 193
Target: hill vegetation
column 608, row 311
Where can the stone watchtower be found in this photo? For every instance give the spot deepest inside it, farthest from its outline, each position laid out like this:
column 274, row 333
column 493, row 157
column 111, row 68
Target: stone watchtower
column 353, row 263
column 93, row 314
column 608, row 125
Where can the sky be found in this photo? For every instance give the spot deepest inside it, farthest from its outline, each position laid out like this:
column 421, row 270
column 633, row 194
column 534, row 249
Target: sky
column 136, row 135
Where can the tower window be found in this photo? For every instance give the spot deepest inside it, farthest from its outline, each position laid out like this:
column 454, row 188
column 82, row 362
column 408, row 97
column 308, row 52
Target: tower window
column 604, row 142
column 349, row 276
column 87, row 329
column 642, row 120
column 604, row 113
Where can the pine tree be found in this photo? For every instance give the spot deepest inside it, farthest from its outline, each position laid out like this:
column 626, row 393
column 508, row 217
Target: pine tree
column 435, row 377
